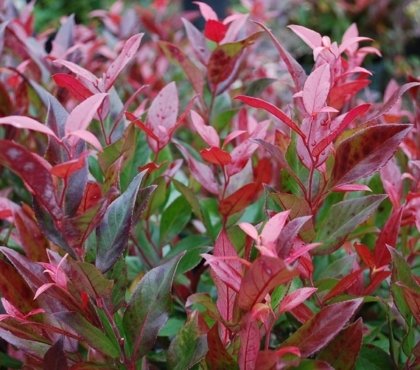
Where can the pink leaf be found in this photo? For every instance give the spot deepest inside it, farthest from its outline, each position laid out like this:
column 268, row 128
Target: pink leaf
column 203, row 173
column 27, row 123
column 228, row 272
column 77, row 70
column 348, row 118
column 316, row 89
column 311, row 38
column 206, row 11
column 273, row 228
column 82, row 114
column 88, row 137
column 264, row 275
column 250, row 230
column 207, row 133
column 250, row 344
column 272, row 109
column 343, row 188
column 164, row 109
column 127, row 53
column 295, row 298
column 349, row 43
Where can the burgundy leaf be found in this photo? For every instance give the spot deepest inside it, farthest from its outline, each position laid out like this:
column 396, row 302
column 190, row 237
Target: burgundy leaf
column 343, row 350
column 272, row 109
column 317, row 332
column 55, row 357
column 263, row 276
column 288, row 235
column 217, row 356
column 239, row 199
column 367, row 151
column 344, row 284
column 34, row 171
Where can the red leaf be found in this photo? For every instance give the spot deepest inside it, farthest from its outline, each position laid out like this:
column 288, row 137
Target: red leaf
column 365, row 254
column 377, row 278
column 65, row 169
column 342, row 352
column 250, row 344
column 27, row 123
column 316, row 89
column 323, row 327
column 215, row 30
column 388, row 236
column 367, row 151
column 216, row 156
column 348, row 118
column 272, row 109
column 127, row 53
column 302, row 313
column 296, row 298
column 344, row 284
column 264, row 275
column 76, row 88
column 34, row 171
column 340, row 93
column 239, row 199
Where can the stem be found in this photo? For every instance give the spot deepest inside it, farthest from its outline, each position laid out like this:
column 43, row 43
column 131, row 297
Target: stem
column 150, row 239
column 63, row 192
column 101, row 121
column 143, row 255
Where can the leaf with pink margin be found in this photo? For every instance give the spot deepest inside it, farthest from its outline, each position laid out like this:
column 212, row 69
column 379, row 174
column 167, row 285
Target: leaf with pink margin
column 316, row 89
column 318, row 331
column 79, row 71
column 351, row 187
column 264, row 275
column 82, row 114
column 311, row 38
column 127, row 53
column 27, row 123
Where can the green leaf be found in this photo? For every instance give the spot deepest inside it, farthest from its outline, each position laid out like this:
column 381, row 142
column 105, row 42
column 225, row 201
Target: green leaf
column 93, row 336
column 113, row 232
column 188, row 347
column 174, row 218
column 373, row 358
column 190, row 197
column 148, row 309
column 8, row 362
column 343, row 218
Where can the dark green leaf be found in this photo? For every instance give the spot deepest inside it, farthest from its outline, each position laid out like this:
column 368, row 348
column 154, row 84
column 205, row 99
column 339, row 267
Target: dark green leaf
column 174, row 219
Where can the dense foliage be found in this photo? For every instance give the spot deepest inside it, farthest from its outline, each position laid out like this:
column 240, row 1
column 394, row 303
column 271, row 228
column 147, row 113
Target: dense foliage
column 179, row 199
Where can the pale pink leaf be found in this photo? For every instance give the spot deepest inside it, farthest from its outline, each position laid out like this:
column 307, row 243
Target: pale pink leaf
column 207, row 133
column 311, row 38
column 316, row 89
column 88, row 137
column 27, row 123
column 82, row 114
column 42, row 289
column 127, row 53
column 206, row 11
column 249, row 229
column 273, row 228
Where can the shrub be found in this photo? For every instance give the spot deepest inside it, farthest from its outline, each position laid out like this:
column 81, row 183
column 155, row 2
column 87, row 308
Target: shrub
column 166, row 203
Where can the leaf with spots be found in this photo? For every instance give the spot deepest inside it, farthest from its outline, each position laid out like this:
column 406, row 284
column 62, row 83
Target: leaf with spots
column 34, row 171
column 343, row 217
column 317, row 332
column 164, row 109
column 264, row 275
column 367, row 151
column 148, row 308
